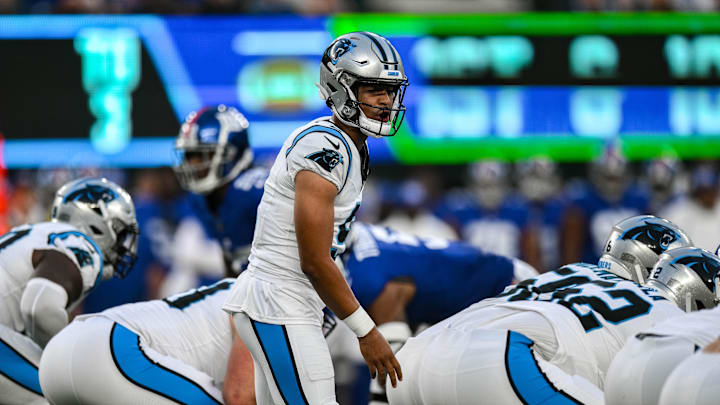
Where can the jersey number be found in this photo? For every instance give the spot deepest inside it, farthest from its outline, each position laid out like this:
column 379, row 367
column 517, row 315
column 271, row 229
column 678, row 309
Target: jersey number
column 184, row 300
column 574, row 292
column 12, row 237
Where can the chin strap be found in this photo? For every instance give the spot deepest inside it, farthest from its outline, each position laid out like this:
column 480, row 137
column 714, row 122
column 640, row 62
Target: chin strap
column 639, row 273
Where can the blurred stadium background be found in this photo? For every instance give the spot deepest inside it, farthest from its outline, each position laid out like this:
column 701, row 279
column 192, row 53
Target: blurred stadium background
column 532, row 126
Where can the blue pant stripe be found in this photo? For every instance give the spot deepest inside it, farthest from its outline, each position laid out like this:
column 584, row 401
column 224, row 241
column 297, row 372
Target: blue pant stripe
column 17, row 368
column 528, row 381
column 276, row 346
column 134, row 364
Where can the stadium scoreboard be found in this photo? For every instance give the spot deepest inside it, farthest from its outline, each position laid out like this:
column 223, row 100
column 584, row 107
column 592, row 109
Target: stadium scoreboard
column 560, row 85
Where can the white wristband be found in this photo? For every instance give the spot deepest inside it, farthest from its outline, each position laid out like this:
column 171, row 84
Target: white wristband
column 360, row 322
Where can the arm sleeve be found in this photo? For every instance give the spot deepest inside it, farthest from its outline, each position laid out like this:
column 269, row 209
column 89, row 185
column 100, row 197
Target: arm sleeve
column 317, row 153
column 43, row 309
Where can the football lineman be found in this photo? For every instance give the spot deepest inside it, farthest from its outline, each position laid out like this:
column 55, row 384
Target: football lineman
column 167, row 351
column 406, row 281
column 310, row 199
column 639, row 371
column 549, row 339
column 215, row 163
column 47, row 268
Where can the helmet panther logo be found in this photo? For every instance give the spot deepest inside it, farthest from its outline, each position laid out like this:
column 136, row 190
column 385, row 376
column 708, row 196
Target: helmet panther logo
column 326, row 158
column 657, row 237
column 340, row 48
column 705, row 267
column 91, row 194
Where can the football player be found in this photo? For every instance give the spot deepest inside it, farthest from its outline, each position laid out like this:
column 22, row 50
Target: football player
column 637, row 375
column 488, row 215
column 173, row 350
column 47, row 268
column 310, row 199
column 215, row 163
column 549, row 339
column 406, row 281
column 596, row 206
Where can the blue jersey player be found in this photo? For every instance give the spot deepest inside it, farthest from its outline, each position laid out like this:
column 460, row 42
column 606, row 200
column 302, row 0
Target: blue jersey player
column 215, row 164
column 404, row 280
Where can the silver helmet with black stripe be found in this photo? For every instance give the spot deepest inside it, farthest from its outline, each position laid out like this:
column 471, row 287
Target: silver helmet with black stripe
column 636, row 243
column 689, row 277
column 105, row 212
column 363, row 58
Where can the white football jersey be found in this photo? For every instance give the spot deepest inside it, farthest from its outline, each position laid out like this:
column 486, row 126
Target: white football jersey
column 590, row 313
column 700, row 327
column 16, row 262
column 190, row 326
column 323, row 148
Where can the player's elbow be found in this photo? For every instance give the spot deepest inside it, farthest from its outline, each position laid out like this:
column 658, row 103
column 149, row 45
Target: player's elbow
column 311, row 266
column 43, row 309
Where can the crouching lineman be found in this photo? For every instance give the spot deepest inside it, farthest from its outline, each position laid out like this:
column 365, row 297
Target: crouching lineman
column 549, row 339
column 169, row 351
column 639, row 372
column 47, row 268
column 406, row 281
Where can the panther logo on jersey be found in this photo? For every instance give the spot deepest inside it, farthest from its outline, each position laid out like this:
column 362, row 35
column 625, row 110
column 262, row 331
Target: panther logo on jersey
column 83, row 256
column 326, row 158
column 92, row 194
column 657, row 237
column 705, row 267
column 340, row 48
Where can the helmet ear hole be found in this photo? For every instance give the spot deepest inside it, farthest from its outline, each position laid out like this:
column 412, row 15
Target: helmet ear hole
column 95, row 230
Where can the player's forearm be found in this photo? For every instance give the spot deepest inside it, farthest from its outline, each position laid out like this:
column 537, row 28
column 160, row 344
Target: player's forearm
column 331, row 286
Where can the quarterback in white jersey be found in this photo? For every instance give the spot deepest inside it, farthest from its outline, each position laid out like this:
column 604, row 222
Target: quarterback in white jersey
column 310, row 200
column 549, row 339
column 646, row 370
column 47, row 268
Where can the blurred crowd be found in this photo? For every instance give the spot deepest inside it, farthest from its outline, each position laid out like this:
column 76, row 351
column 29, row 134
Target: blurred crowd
column 321, row 7
column 543, row 212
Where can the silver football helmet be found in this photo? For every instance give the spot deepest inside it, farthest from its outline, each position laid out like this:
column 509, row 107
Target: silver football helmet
column 105, row 212
column 636, row 243
column 363, row 58
column 687, row 276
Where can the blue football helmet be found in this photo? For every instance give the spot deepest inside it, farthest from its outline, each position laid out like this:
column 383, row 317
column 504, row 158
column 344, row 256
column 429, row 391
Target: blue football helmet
column 212, row 148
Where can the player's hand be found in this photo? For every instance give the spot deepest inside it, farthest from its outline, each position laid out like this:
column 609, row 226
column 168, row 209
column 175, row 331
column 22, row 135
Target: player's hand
column 713, row 347
column 379, row 357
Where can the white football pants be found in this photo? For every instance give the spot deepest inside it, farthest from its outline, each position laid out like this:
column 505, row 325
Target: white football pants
column 19, row 359
column 638, row 372
column 98, row 361
column 484, row 366
column 292, row 362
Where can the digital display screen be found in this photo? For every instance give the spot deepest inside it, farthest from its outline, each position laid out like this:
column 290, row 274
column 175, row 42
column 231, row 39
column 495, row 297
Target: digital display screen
column 505, row 86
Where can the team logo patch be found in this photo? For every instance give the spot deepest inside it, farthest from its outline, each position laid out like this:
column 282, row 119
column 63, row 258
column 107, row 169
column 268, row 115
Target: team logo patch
column 340, row 48
column 83, row 256
column 705, row 267
column 657, row 237
column 326, row 158
column 91, row 194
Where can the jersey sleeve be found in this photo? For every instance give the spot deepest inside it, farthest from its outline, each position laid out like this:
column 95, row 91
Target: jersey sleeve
column 323, row 153
column 83, row 252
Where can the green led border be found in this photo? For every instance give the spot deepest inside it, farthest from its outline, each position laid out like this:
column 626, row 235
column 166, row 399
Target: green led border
column 526, row 23
column 410, row 149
